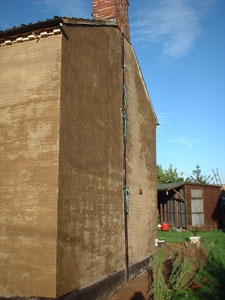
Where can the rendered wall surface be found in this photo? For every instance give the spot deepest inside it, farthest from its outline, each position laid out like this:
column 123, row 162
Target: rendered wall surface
column 61, row 163
column 29, row 105
column 141, row 163
column 90, row 224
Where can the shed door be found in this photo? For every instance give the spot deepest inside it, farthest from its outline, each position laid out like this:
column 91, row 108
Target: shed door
column 197, row 209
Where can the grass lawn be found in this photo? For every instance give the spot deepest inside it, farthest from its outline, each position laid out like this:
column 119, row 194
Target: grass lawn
column 212, row 277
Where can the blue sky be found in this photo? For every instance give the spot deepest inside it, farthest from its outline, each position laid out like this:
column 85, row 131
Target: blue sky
column 180, row 45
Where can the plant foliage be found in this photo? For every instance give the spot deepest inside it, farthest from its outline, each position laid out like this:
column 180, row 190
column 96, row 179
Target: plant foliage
column 175, row 270
column 171, row 175
column 211, row 279
column 168, row 176
column 198, row 177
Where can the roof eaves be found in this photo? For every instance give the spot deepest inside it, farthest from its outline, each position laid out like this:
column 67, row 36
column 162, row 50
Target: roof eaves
column 16, row 30
column 30, row 27
column 169, row 186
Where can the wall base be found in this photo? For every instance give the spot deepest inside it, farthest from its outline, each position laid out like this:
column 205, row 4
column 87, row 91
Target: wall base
column 138, row 268
column 100, row 290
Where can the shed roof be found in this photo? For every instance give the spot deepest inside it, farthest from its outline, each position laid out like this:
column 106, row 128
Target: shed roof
column 170, row 186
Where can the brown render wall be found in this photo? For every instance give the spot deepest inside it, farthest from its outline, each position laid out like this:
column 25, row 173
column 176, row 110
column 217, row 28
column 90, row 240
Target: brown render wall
column 29, row 103
column 91, row 222
column 141, row 162
column 90, row 244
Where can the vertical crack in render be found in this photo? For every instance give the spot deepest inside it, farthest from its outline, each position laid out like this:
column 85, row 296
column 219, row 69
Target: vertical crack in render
column 123, row 112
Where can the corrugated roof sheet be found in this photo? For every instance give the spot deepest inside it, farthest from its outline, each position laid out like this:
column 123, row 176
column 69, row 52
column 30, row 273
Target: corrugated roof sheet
column 169, row 186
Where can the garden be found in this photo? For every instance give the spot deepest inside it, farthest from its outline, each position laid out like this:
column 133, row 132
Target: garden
column 184, row 271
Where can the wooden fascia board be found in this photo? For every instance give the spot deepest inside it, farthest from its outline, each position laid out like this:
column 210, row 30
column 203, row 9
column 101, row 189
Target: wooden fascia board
column 179, row 195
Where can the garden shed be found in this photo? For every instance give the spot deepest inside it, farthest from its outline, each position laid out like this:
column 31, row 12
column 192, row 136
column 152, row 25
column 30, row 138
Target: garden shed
column 189, row 205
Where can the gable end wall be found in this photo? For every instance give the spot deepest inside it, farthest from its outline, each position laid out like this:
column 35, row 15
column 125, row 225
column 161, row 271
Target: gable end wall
column 141, row 162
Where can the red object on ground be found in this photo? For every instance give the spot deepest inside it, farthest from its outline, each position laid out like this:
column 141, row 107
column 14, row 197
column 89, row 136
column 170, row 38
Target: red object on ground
column 195, row 286
column 165, row 227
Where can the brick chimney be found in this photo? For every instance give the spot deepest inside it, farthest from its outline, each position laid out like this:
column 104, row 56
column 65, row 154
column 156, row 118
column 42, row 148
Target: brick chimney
column 112, row 10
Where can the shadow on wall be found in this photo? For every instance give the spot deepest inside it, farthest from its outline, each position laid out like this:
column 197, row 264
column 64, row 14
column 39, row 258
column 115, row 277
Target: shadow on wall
column 137, row 296
column 219, row 213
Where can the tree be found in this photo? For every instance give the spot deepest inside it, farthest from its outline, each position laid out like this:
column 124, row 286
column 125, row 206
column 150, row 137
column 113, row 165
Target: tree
column 168, row 176
column 197, row 177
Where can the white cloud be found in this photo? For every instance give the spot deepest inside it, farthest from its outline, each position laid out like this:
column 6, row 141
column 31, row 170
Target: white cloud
column 172, row 24
column 184, row 141
column 68, row 8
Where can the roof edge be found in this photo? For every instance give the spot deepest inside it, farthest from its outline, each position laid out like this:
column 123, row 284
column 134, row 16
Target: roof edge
column 170, row 186
column 31, row 26
column 22, row 29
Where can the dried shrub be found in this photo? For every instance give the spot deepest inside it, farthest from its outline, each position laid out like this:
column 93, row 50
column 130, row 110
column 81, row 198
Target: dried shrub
column 176, row 269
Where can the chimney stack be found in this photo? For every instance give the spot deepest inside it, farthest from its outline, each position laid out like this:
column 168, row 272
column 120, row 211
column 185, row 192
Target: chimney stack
column 112, row 10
